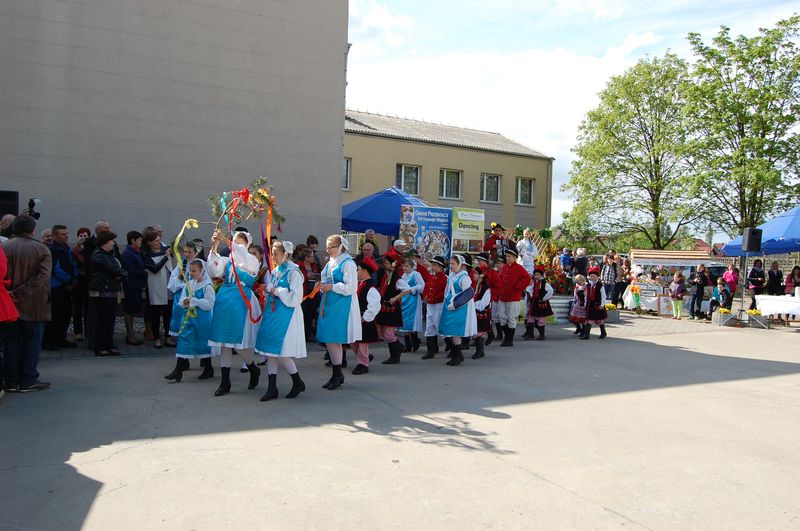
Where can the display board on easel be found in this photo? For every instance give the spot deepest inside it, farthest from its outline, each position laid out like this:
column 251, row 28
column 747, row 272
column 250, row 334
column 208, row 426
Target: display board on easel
column 664, row 306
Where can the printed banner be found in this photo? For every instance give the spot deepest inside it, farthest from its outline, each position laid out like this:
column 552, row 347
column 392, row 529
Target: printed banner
column 468, row 230
column 426, row 229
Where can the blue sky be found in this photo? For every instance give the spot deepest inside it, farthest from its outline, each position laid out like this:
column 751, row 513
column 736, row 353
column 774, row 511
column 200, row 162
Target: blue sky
column 524, row 68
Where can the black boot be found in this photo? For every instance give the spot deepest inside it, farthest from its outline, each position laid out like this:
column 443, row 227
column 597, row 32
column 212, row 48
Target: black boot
column 407, row 341
column 448, row 344
column 465, row 343
column 578, row 329
column 344, row 358
column 225, row 385
column 337, row 378
column 528, row 335
column 479, row 350
column 500, row 331
column 587, row 328
column 489, row 336
column 541, row 333
column 431, row 343
column 508, row 337
column 176, row 372
column 395, row 349
column 360, row 369
column 272, row 388
column 255, row 374
column 457, row 357
column 298, row 386
column 603, row 334
column 415, row 342
column 208, row 369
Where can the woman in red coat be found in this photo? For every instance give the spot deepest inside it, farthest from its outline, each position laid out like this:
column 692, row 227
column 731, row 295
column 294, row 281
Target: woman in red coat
column 8, row 310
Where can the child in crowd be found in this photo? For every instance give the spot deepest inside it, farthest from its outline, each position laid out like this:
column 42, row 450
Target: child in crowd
column 577, row 315
column 596, row 313
column 392, row 289
column 677, row 290
column 538, row 295
column 433, row 294
column 412, row 306
column 369, row 302
column 483, row 305
column 721, row 297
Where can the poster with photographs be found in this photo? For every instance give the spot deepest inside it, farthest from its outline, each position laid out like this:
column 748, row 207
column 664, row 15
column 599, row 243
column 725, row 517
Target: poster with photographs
column 468, row 230
column 426, row 229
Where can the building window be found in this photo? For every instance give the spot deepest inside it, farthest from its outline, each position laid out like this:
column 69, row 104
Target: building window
column 524, row 191
column 490, row 188
column 449, row 184
column 346, row 174
column 407, row 178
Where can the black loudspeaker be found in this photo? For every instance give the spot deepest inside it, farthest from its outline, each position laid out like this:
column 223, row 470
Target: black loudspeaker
column 751, row 240
column 9, row 202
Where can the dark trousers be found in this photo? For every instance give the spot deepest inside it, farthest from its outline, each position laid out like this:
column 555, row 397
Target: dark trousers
column 105, row 309
column 619, row 291
column 160, row 313
column 23, row 342
column 756, row 291
column 695, row 302
column 610, row 291
column 55, row 331
column 309, row 315
column 80, row 305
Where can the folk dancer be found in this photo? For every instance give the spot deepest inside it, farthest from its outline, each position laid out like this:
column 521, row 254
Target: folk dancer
column 577, row 314
column 433, row 294
column 483, row 307
column 596, row 313
column 412, row 306
column 232, row 324
column 458, row 316
column 392, row 289
column 281, row 336
column 513, row 281
column 369, row 302
column 339, row 320
column 538, row 294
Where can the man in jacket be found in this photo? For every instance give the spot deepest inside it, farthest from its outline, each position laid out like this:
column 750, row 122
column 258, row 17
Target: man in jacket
column 62, row 281
column 29, row 266
column 513, row 281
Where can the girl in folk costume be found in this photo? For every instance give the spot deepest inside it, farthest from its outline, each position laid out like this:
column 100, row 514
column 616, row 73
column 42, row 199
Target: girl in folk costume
column 595, row 304
column 262, row 278
column 539, row 294
column 458, row 316
column 577, row 315
column 177, row 281
column 392, row 289
column 339, row 319
column 433, row 294
column 197, row 296
column 369, row 302
column 236, row 308
column 412, row 306
column 483, row 305
column 281, row 336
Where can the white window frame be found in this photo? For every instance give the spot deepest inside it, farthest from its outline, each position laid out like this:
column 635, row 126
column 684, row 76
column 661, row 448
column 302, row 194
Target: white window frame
column 348, row 169
column 519, row 191
column 443, row 184
column 402, row 184
column 482, row 184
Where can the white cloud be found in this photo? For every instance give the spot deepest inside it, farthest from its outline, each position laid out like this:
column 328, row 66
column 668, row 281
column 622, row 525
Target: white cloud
column 375, row 27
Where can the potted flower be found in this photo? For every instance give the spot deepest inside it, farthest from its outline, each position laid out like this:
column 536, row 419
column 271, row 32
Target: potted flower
column 613, row 313
column 756, row 320
column 723, row 317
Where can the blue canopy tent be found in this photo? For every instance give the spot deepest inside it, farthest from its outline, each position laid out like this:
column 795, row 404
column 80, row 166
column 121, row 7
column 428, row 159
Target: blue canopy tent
column 379, row 211
column 780, row 235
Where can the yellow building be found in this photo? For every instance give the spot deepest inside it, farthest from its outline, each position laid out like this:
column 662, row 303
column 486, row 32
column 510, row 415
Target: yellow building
column 447, row 166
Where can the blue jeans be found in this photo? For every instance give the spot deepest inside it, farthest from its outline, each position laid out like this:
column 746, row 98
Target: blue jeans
column 695, row 303
column 23, row 342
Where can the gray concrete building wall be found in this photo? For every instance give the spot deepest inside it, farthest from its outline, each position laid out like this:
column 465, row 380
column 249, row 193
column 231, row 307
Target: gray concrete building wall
column 137, row 110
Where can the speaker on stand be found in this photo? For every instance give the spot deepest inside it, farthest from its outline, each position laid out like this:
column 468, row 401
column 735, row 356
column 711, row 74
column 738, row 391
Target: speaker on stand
column 751, row 243
column 9, row 202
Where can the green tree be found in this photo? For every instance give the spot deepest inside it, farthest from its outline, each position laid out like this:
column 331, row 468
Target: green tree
column 743, row 108
column 630, row 175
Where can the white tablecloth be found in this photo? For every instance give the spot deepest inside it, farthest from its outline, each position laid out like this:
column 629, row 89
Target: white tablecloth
column 774, row 305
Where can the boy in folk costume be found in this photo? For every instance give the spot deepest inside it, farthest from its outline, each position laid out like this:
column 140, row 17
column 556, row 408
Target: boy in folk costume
column 595, row 304
column 493, row 275
column 392, row 289
column 412, row 305
column 433, row 294
column 369, row 302
column 198, row 297
column 539, row 294
column 483, row 305
column 513, row 281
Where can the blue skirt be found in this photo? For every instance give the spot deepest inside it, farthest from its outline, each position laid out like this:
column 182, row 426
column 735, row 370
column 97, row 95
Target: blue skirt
column 334, row 315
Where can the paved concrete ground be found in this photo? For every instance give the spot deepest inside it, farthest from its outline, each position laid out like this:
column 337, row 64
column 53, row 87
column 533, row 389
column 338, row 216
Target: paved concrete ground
column 664, row 425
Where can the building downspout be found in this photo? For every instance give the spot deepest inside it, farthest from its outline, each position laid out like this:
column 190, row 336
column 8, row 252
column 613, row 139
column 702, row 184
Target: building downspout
column 548, row 206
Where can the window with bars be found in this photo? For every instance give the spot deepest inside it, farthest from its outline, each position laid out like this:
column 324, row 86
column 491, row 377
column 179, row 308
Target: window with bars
column 346, row 174
column 524, row 191
column 449, row 184
column 407, row 178
column 490, row 188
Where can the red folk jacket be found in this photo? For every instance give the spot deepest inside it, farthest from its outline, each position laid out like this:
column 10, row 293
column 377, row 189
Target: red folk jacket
column 513, row 281
column 435, row 284
column 8, row 310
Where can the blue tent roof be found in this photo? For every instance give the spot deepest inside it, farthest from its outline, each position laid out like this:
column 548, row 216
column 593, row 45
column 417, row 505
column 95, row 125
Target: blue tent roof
column 379, row 211
column 781, row 235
